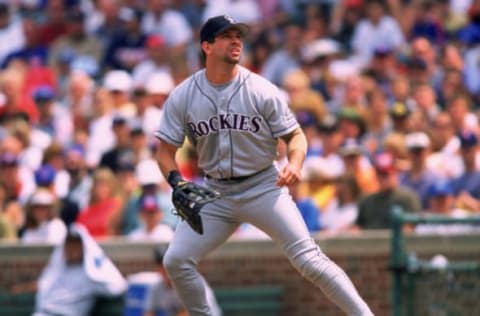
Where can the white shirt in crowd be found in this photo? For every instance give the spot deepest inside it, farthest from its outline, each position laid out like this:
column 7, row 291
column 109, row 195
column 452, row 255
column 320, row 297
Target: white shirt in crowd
column 52, row 232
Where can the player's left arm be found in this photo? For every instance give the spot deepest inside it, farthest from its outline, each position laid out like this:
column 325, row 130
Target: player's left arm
column 296, row 151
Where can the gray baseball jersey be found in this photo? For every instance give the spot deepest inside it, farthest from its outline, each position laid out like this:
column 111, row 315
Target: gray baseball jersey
column 228, row 124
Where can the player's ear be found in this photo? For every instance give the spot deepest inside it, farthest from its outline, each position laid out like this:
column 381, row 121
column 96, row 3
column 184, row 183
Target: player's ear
column 206, row 47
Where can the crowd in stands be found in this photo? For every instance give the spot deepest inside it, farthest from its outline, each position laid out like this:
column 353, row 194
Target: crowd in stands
column 387, row 93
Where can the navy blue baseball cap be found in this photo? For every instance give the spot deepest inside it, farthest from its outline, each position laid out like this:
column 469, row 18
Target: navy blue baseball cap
column 219, row 24
column 467, row 139
column 44, row 93
column 441, row 187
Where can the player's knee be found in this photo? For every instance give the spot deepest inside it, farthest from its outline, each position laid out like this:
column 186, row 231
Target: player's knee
column 307, row 258
column 175, row 263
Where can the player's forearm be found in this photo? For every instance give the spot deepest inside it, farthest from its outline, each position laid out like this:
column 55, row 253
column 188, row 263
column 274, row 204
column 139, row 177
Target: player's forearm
column 296, row 147
column 166, row 158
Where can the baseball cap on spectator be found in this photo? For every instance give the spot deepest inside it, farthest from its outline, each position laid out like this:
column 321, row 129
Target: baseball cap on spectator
column 467, row 139
column 384, row 162
column 352, row 115
column 75, row 149
column 9, row 159
column 440, row 187
column 147, row 172
column 136, row 129
column 43, row 94
column 42, row 197
column 219, row 24
column 127, row 14
column 149, row 203
column 399, row 110
column 119, row 120
column 45, row 175
column 86, row 64
column 118, row 80
column 160, row 82
column 320, row 48
column 350, row 147
column 417, row 140
column 328, row 124
column 154, row 41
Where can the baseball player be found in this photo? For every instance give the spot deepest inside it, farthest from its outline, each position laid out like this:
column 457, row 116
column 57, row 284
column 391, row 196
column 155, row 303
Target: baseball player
column 234, row 119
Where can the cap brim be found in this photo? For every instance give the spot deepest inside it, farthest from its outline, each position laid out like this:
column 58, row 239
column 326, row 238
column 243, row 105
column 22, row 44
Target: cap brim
column 242, row 27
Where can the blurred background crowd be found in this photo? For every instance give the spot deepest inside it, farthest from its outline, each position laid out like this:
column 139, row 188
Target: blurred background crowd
column 387, row 93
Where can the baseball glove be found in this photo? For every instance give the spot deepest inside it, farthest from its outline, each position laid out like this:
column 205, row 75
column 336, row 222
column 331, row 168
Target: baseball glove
column 188, row 199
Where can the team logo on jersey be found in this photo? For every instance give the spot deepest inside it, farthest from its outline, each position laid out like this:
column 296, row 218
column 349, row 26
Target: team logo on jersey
column 228, row 121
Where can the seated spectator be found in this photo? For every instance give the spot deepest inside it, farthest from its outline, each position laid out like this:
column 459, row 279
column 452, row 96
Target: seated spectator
column 18, row 179
column 301, row 96
column 152, row 293
column 374, row 210
column 357, row 165
column 466, row 186
column 102, row 214
column 151, row 228
column 42, row 224
column 77, row 273
column 442, row 202
column 122, row 151
column 418, row 178
column 11, row 215
column 342, row 212
column 119, row 84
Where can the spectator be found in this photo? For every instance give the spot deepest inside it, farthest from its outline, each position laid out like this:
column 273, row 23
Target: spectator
column 53, row 118
column 101, row 216
column 151, row 182
column 127, row 47
column 16, row 103
column 80, row 184
column 286, row 58
column 156, row 60
column 400, row 118
column 459, row 110
column 358, row 166
column 11, row 216
column 418, row 178
column 306, row 205
column 100, row 137
column 32, row 51
column 351, row 123
column 342, row 212
column 122, row 152
column 442, row 202
column 18, row 179
column 11, row 32
column 375, row 30
column 55, row 23
column 77, row 97
column 78, row 272
column 301, row 96
column 374, row 210
column 76, row 40
column 156, row 293
column 466, row 186
column 42, row 224
column 425, row 101
column 149, row 109
column 160, row 19
column 445, row 160
column 378, row 123
column 151, row 216
column 120, row 86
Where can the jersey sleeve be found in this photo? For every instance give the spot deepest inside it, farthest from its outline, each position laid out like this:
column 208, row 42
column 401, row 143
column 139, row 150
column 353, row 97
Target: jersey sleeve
column 172, row 127
column 278, row 115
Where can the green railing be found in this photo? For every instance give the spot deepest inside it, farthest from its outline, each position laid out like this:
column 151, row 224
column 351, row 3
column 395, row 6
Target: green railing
column 407, row 265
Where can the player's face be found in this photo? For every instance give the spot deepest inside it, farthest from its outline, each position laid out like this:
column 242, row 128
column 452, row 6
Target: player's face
column 228, row 46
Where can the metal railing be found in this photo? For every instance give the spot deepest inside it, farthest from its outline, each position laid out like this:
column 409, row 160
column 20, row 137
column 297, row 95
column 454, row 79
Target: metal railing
column 407, row 264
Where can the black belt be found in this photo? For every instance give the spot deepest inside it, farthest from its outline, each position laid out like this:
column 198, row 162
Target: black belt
column 232, row 179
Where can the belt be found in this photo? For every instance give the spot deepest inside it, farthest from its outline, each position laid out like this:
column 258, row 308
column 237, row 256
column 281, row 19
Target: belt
column 234, row 179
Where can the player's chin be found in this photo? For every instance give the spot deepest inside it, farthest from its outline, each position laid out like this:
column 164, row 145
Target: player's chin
column 233, row 60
